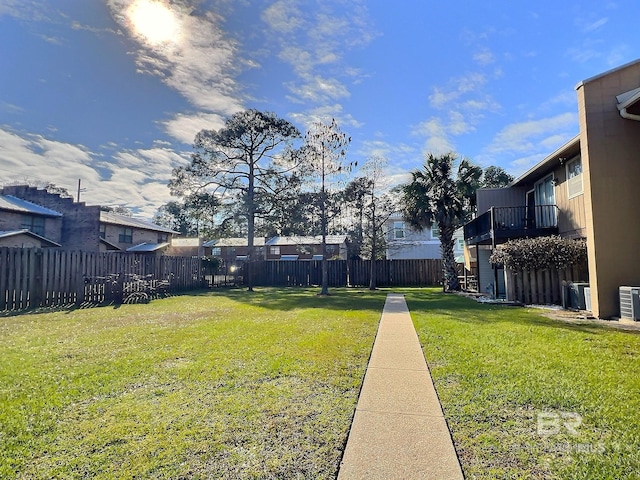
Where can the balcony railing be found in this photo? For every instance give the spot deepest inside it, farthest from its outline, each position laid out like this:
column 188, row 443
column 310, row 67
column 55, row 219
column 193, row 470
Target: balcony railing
column 512, row 222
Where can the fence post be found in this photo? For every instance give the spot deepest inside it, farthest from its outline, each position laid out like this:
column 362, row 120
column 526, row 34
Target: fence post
column 509, row 286
column 36, row 288
column 80, row 285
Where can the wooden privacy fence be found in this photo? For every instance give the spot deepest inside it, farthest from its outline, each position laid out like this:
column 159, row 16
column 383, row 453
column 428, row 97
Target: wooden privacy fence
column 31, row 278
column 353, row 273
column 541, row 287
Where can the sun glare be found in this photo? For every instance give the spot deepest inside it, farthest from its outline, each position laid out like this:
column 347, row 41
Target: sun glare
column 154, row 21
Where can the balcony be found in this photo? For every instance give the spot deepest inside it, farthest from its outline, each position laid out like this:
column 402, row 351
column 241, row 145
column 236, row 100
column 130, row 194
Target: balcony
column 500, row 224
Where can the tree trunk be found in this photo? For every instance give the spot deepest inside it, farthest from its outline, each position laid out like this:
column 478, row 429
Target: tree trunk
column 251, row 218
column 325, row 268
column 451, row 282
column 324, row 221
column 374, row 246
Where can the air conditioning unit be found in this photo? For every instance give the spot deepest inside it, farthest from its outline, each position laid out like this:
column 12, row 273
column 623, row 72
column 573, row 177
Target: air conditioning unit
column 577, row 295
column 630, row 303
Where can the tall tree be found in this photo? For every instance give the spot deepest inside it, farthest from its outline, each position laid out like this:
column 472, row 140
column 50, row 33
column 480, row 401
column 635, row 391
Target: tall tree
column 240, row 163
column 353, row 198
column 194, row 216
column 325, row 153
column 378, row 208
column 439, row 193
column 118, row 210
column 495, row 177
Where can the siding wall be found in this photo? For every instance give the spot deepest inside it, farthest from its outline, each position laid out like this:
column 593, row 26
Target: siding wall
column 572, row 221
column 415, row 244
column 413, row 250
column 500, row 197
column 486, row 276
column 611, row 162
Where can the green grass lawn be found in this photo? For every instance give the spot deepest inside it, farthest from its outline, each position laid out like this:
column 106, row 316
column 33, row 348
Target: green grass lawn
column 217, row 385
column 530, row 397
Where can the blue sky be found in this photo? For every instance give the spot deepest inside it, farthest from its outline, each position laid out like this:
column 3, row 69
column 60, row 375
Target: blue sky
column 113, row 92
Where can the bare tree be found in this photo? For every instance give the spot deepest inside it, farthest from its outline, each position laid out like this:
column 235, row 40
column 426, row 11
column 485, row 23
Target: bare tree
column 378, row 208
column 325, row 153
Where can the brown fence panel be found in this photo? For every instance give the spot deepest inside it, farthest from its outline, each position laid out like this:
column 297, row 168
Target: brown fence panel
column 541, row 286
column 31, row 278
column 396, row 273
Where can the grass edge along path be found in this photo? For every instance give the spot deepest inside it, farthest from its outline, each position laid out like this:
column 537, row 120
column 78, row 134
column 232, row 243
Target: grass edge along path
column 225, row 384
column 526, row 396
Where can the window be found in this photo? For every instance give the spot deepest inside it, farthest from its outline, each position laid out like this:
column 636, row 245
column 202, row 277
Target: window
column 398, row 230
column 274, row 250
column 163, row 237
column 435, row 231
column 574, row 177
column 33, row 224
column 216, row 252
column 103, row 230
column 126, row 236
column 461, row 244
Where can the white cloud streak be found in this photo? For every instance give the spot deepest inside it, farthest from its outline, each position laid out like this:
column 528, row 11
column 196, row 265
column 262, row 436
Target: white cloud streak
column 135, row 178
column 201, row 63
column 523, row 144
column 309, row 43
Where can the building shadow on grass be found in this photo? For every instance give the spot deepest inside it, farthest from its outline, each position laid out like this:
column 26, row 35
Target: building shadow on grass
column 466, row 310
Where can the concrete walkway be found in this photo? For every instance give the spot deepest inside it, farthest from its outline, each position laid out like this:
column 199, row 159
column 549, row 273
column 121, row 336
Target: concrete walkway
column 399, row 431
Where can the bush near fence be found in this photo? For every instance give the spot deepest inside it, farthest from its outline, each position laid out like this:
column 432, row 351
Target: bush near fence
column 33, row 278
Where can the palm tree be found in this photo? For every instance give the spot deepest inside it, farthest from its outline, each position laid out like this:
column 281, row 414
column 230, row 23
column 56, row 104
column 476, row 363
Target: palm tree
column 440, row 194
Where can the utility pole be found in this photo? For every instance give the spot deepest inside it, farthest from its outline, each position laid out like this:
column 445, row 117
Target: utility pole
column 79, row 190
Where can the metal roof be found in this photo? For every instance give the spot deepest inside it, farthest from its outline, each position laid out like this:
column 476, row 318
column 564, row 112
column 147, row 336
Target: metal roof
column 29, row 233
column 15, row 204
column 110, row 246
column 115, row 219
column 148, row 247
column 316, row 240
column 233, row 242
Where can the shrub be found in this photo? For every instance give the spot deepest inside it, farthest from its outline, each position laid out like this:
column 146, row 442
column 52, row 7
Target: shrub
column 540, row 253
column 210, row 265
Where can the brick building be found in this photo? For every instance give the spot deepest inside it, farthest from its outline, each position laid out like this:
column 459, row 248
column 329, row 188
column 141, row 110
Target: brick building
column 74, row 225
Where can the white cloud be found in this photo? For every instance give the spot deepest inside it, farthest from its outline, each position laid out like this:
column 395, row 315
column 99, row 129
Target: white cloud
column 523, row 144
column 134, row 178
column 319, row 90
column 590, row 25
column 184, row 127
column 200, row 63
column 324, row 114
column 283, row 16
column 528, row 136
column 437, row 136
column 444, row 98
column 381, row 148
column 309, row 43
column 484, row 57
